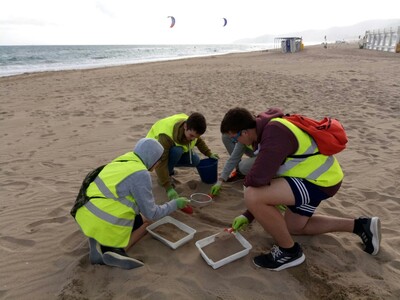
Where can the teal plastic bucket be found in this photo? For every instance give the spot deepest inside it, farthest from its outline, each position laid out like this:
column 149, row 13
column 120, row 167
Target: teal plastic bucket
column 208, row 170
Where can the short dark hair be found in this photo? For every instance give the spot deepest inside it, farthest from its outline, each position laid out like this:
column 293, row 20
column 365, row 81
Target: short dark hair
column 197, row 122
column 237, row 119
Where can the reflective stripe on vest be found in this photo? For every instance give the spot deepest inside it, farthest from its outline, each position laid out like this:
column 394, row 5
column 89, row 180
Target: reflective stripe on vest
column 290, row 164
column 107, row 217
column 107, row 193
column 320, row 169
column 166, row 126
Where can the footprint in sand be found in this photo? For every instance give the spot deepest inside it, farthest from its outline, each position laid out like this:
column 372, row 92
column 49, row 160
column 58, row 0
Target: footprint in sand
column 192, row 184
column 74, row 244
column 14, row 185
column 34, row 226
column 12, row 244
column 50, row 164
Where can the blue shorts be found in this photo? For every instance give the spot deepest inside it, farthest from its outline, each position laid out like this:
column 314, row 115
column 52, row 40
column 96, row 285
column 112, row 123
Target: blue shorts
column 307, row 196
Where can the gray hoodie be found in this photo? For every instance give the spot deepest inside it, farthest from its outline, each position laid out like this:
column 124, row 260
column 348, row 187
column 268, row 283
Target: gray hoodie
column 139, row 184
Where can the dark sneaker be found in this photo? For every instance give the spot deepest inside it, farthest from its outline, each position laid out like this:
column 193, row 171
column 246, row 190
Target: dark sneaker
column 188, row 209
column 235, row 176
column 117, row 257
column 279, row 259
column 371, row 234
column 95, row 253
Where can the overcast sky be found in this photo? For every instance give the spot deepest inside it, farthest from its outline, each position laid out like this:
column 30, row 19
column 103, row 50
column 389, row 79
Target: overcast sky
column 47, row 22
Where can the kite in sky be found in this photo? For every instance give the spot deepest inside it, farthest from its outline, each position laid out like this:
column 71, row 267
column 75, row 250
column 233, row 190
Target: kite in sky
column 172, row 21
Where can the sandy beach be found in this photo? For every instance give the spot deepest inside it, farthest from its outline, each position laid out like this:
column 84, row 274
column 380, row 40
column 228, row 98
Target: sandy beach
column 57, row 126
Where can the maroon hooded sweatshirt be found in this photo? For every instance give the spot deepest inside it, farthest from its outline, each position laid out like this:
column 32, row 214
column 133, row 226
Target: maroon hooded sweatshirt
column 275, row 142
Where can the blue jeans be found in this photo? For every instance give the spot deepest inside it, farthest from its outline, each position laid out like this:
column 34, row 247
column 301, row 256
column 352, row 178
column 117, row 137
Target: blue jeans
column 178, row 158
column 243, row 165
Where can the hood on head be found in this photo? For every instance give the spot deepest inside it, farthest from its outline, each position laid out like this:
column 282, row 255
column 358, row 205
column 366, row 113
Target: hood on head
column 273, row 112
column 149, row 151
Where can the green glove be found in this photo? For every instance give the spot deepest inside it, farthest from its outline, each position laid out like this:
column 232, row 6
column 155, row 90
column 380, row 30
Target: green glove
column 181, row 202
column 214, row 156
column 172, row 194
column 216, row 188
column 281, row 207
column 240, row 222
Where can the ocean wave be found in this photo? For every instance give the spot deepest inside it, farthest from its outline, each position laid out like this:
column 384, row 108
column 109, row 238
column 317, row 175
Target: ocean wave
column 26, row 59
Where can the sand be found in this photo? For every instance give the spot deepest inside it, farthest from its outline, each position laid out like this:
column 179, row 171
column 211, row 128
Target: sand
column 57, row 126
column 222, row 247
column 170, row 232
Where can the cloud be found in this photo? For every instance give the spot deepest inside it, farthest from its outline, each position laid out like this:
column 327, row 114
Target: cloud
column 104, row 9
column 25, row 22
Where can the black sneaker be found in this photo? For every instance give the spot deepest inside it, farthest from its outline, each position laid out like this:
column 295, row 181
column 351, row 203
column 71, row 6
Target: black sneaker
column 117, row 257
column 95, row 253
column 279, row 259
column 371, row 234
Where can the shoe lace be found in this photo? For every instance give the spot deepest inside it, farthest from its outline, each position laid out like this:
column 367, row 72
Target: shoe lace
column 276, row 252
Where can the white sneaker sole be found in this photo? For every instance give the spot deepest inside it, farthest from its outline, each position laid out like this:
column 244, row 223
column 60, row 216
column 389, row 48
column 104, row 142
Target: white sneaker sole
column 116, row 260
column 294, row 263
column 375, row 228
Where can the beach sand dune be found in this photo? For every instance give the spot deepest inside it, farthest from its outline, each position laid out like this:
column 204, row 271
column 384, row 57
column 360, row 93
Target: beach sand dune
column 57, row 126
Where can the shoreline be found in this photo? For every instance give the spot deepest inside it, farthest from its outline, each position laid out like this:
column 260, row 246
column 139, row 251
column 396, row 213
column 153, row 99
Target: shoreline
column 272, row 48
column 132, row 59
column 84, row 68
column 131, row 64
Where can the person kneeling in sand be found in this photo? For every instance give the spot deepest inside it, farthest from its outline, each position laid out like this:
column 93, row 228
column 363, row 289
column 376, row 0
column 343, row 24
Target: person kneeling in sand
column 116, row 198
column 300, row 184
column 235, row 167
column 179, row 134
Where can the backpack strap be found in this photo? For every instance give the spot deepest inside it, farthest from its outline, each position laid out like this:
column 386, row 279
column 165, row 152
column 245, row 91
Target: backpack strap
column 82, row 198
column 304, row 155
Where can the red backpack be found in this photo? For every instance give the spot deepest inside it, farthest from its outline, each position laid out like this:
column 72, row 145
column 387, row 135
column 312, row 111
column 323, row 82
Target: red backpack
column 328, row 133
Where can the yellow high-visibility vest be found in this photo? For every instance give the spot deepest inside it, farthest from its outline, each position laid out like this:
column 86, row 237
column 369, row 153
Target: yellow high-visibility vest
column 109, row 217
column 166, row 126
column 319, row 169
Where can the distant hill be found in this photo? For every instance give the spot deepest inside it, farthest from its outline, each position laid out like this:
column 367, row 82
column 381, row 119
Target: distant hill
column 347, row 33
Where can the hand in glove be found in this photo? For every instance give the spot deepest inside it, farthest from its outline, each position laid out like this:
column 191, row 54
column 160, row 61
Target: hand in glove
column 172, row 194
column 181, row 202
column 216, row 188
column 214, row 156
column 240, row 222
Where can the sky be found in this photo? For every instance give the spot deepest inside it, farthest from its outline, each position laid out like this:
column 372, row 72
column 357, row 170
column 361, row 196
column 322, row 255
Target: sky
column 106, row 22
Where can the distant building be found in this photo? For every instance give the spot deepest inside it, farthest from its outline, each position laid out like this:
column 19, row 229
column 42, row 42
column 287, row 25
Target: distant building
column 289, row 44
column 387, row 39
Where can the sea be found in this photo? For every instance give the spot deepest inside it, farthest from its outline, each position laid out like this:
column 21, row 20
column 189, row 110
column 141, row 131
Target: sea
column 16, row 60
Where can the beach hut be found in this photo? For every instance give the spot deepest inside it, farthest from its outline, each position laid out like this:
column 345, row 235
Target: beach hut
column 289, row 44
